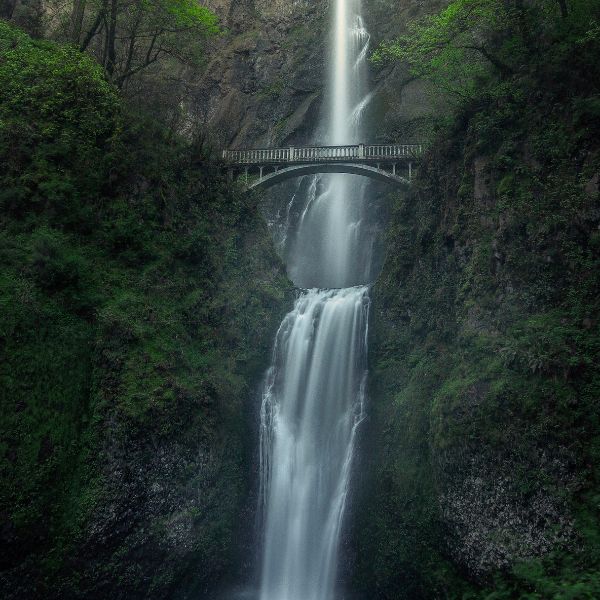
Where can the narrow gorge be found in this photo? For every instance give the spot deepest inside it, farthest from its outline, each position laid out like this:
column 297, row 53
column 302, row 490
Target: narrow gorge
column 382, row 385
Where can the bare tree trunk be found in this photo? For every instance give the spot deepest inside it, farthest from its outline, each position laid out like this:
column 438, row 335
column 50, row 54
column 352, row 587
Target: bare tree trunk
column 27, row 14
column 131, row 51
column 111, row 54
column 504, row 69
column 77, row 20
column 130, row 54
column 95, row 26
column 104, row 29
column 151, row 57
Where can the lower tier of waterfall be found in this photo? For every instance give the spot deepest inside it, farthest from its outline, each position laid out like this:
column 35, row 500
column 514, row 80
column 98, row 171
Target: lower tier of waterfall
column 312, row 404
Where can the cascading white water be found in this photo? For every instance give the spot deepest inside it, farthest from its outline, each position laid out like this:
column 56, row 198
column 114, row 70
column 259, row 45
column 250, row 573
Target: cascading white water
column 312, row 404
column 314, row 391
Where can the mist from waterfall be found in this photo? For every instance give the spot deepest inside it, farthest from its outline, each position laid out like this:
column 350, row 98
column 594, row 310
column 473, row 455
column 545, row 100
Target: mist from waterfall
column 314, row 391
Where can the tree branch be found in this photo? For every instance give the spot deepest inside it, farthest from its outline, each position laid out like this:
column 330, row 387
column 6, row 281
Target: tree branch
column 150, row 59
column 94, row 29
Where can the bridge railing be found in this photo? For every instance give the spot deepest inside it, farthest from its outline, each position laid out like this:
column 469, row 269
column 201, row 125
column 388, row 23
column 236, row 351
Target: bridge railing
column 353, row 152
column 394, row 151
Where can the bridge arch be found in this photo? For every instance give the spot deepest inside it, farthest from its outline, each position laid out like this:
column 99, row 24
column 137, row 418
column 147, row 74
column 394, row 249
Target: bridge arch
column 294, row 171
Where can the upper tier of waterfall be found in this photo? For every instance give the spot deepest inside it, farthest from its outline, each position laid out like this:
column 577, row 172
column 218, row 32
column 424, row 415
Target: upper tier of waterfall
column 331, row 245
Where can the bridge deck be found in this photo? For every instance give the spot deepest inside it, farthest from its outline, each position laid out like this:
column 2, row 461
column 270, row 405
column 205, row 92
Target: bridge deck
column 321, row 154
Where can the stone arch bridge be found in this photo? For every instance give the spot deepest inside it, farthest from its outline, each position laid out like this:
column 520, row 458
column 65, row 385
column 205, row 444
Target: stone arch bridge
column 263, row 168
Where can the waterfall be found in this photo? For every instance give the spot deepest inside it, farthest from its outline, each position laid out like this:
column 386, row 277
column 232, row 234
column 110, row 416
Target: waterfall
column 312, row 404
column 313, row 397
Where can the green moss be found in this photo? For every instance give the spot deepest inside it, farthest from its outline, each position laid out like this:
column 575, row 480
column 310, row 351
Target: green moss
column 485, row 340
column 130, row 329
column 273, row 90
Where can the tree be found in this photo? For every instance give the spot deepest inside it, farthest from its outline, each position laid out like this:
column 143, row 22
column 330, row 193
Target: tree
column 129, row 36
column 468, row 41
column 58, row 121
column 474, row 46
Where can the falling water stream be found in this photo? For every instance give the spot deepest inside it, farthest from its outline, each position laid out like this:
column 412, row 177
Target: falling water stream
column 313, row 397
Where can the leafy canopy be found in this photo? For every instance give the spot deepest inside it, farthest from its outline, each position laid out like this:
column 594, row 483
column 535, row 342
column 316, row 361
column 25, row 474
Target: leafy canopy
column 188, row 13
column 58, row 115
column 450, row 48
column 473, row 43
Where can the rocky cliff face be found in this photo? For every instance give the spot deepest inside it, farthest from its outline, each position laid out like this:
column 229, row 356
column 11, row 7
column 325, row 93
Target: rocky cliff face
column 265, row 76
column 402, row 105
column 481, row 454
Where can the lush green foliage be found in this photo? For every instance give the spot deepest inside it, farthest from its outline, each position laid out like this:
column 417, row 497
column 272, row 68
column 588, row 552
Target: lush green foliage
column 446, row 47
column 190, row 13
column 130, row 336
column 57, row 118
column 473, row 45
column 152, row 50
column 486, row 333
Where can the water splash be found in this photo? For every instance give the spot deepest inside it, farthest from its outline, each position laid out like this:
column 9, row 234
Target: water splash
column 361, row 35
column 358, row 112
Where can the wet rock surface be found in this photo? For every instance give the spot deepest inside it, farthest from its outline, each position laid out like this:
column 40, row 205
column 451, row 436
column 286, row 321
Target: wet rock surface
column 265, row 76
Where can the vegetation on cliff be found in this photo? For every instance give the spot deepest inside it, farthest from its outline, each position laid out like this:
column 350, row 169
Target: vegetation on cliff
column 139, row 295
column 484, row 436
column 131, row 335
